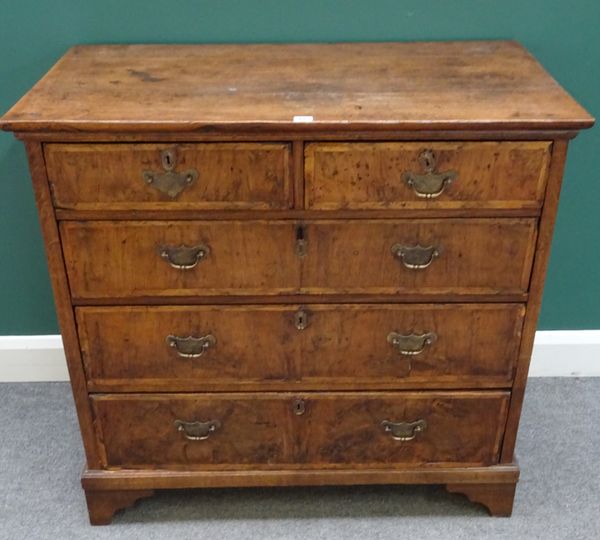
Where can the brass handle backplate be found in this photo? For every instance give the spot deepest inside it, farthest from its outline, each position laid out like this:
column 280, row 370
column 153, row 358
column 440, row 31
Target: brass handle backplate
column 411, row 344
column 430, row 184
column 197, row 431
column 415, row 257
column 404, row 431
column 169, row 182
column 184, row 257
column 191, row 347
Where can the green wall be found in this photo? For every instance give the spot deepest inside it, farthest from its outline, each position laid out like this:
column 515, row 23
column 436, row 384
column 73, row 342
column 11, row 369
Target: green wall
column 563, row 35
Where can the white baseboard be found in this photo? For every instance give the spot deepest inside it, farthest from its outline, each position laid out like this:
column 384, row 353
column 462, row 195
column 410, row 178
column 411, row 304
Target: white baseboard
column 566, row 353
column 556, row 353
column 32, row 358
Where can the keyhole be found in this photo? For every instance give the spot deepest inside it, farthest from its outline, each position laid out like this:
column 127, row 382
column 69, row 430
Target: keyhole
column 428, row 160
column 298, row 406
column 300, row 241
column 168, row 159
column 301, row 319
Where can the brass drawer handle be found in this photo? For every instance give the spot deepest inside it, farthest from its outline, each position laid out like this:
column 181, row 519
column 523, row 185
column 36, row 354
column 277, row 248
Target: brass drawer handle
column 411, row 344
column 404, row 431
column 430, row 184
column 415, row 257
column 197, row 431
column 184, row 257
column 191, row 347
column 169, row 182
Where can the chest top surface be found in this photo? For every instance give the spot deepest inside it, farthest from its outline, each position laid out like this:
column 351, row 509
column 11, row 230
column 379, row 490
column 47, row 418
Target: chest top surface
column 410, row 86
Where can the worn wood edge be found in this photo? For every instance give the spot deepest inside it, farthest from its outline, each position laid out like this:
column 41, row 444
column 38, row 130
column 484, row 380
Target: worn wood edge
column 167, row 479
column 258, row 127
column 62, row 299
column 536, row 289
column 64, row 214
column 135, row 385
column 497, row 498
column 322, row 134
column 297, row 167
column 322, row 298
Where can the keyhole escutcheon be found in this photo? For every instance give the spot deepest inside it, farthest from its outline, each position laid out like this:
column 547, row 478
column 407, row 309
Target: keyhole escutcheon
column 298, row 406
column 301, row 319
column 301, row 243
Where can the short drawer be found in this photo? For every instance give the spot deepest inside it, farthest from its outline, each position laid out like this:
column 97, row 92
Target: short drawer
column 128, row 259
column 334, row 346
column 276, row 430
column 174, row 177
column 444, row 175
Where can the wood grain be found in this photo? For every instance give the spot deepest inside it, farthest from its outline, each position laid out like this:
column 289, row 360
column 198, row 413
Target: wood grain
column 110, row 176
column 62, row 300
column 477, row 256
column 165, row 479
column 102, row 505
column 263, row 431
column 297, row 133
column 347, row 86
column 370, row 175
column 226, row 300
column 259, row 347
column 162, row 479
column 538, row 277
column 121, row 259
column 295, row 214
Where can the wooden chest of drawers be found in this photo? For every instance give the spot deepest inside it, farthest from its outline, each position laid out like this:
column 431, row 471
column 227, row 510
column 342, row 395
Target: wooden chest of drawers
column 299, row 264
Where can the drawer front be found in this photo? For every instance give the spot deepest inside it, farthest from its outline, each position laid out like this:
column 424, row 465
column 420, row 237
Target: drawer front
column 422, row 256
column 411, row 345
column 420, row 428
column 445, row 175
column 146, row 347
column 139, row 259
column 147, row 430
column 175, row 177
column 217, row 431
column 189, row 348
column 427, row 256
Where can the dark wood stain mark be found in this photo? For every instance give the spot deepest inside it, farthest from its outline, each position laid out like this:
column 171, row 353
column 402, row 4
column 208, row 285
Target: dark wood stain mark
column 144, row 76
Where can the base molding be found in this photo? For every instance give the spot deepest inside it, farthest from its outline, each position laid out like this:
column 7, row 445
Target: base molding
column 123, row 479
column 110, row 490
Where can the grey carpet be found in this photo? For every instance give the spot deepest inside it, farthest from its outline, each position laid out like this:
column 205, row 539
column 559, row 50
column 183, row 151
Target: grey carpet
column 558, row 496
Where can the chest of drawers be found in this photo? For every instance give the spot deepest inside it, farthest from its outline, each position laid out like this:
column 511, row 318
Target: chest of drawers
column 297, row 264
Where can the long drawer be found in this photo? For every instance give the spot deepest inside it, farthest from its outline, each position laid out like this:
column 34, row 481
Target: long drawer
column 270, row 430
column 129, row 259
column 443, row 175
column 339, row 346
column 170, row 177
